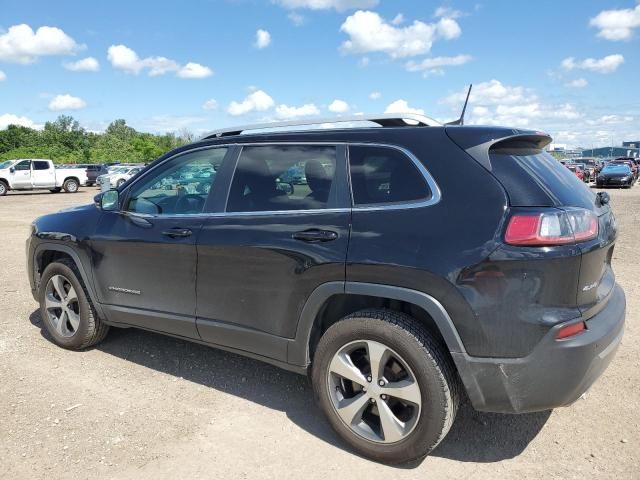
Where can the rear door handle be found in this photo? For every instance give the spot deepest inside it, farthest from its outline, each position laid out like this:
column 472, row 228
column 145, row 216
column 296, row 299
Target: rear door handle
column 177, row 233
column 315, row 235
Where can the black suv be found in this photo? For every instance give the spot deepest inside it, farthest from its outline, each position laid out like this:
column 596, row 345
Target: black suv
column 93, row 172
column 416, row 263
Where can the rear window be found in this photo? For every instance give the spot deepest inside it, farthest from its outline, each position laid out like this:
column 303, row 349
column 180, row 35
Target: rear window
column 553, row 184
column 40, row 165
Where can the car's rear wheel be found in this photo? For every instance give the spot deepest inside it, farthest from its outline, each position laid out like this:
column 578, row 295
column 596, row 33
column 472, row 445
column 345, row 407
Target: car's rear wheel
column 4, row 188
column 70, row 186
column 388, row 389
column 66, row 309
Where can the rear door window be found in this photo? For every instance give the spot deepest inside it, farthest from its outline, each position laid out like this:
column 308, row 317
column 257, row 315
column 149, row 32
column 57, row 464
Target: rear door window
column 40, row 165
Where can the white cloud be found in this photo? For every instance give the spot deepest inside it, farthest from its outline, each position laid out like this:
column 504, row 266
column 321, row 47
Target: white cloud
column 613, row 119
column 447, row 12
column 364, row 62
column 173, row 123
column 369, row 32
column 296, row 18
column 338, row 106
column 210, row 104
column 7, row 119
column 124, row 58
column 20, row 44
column 263, row 39
column 608, row 64
column 194, row 70
column 88, row 64
column 66, row 102
column 401, row 106
column 434, row 65
column 285, row 111
column 257, row 100
column 398, row 19
column 617, row 24
column 577, row 83
column 375, row 95
column 3, row 76
column 494, row 103
column 339, row 5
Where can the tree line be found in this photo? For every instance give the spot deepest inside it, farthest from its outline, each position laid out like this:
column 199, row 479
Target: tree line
column 65, row 141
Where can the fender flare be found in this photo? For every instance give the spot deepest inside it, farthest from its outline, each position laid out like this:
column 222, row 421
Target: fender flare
column 298, row 348
column 86, row 279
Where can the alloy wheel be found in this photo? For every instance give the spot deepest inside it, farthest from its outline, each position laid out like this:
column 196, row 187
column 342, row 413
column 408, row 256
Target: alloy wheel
column 62, row 306
column 374, row 391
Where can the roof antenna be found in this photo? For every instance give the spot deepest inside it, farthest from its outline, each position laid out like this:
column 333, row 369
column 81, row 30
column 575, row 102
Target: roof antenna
column 460, row 121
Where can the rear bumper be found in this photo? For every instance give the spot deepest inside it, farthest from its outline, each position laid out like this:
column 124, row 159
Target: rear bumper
column 555, row 374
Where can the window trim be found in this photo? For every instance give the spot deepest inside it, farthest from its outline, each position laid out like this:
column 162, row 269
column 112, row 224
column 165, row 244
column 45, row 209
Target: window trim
column 433, row 199
column 231, row 161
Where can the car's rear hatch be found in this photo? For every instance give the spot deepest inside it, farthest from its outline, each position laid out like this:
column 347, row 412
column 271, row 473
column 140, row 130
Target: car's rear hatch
column 533, row 178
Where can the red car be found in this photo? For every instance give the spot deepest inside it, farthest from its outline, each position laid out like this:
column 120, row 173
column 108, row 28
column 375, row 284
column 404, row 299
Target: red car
column 577, row 171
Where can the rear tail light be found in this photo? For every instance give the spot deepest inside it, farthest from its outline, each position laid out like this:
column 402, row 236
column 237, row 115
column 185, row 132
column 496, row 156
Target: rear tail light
column 553, row 227
column 571, row 330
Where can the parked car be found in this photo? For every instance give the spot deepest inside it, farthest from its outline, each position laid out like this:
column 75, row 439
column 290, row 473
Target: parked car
column 630, row 162
column 39, row 174
column 576, row 170
column 119, row 175
column 93, row 172
column 615, row 174
column 586, row 173
column 421, row 263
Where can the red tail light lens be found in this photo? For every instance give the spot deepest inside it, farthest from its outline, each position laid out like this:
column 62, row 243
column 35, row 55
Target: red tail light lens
column 571, row 330
column 554, row 227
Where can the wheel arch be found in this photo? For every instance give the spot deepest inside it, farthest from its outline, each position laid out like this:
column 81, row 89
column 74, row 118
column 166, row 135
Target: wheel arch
column 348, row 297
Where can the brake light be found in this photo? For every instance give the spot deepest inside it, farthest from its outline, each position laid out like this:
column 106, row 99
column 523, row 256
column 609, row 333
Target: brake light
column 571, row 330
column 554, row 227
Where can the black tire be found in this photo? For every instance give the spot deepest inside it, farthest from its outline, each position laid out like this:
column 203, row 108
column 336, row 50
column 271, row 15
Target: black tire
column 91, row 329
column 432, row 367
column 4, row 188
column 55, row 190
column 71, row 185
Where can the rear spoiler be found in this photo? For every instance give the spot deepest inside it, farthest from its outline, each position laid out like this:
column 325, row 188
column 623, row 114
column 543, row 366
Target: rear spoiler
column 481, row 151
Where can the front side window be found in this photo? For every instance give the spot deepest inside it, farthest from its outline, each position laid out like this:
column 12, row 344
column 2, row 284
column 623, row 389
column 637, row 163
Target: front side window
column 383, row 175
column 40, row 165
column 181, row 186
column 23, row 165
column 283, row 177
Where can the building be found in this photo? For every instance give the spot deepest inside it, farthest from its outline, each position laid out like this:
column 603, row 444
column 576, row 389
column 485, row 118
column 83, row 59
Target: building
column 612, row 152
column 560, row 149
column 633, row 144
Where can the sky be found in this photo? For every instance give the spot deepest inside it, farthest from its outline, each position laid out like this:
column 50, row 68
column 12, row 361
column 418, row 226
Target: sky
column 568, row 67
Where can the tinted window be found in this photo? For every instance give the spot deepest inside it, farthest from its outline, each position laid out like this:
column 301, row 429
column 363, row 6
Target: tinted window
column 181, row 186
column 283, row 177
column 23, row 165
column 382, row 175
column 39, row 165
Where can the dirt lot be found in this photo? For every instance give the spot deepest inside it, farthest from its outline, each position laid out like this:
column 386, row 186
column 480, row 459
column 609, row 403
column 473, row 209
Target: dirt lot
column 142, row 405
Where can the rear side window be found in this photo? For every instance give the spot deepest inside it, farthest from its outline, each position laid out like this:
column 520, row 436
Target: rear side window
column 284, row 177
column 39, row 165
column 383, row 175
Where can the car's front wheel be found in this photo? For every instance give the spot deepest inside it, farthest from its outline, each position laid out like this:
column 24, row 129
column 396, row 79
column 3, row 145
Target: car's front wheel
column 388, row 389
column 66, row 310
column 4, row 188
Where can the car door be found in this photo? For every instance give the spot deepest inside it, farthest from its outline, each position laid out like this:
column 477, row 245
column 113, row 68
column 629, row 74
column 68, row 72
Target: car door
column 144, row 255
column 21, row 175
column 260, row 259
column 42, row 174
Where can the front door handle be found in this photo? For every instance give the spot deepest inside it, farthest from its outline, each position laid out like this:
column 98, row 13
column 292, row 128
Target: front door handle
column 315, row 235
column 177, row 233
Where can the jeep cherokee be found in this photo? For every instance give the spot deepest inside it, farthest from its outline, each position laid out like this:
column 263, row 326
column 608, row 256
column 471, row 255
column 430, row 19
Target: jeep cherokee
column 413, row 263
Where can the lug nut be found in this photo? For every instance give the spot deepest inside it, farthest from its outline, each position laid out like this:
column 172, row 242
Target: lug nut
column 381, row 383
column 373, row 400
column 369, row 378
column 383, row 396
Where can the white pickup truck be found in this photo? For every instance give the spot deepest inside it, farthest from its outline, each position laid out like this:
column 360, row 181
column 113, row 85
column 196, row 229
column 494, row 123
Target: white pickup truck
column 38, row 174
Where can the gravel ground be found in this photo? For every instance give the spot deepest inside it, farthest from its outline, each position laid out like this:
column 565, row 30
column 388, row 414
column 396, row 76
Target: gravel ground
column 142, row 405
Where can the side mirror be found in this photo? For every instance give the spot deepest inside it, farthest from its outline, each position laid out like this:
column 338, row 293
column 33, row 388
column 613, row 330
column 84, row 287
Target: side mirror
column 12, row 170
column 108, row 201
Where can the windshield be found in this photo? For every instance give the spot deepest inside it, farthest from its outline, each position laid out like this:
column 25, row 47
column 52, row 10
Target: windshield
column 6, row 164
column 619, row 168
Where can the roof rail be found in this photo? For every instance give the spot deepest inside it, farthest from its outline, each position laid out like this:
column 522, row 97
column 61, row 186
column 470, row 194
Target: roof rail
column 382, row 119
